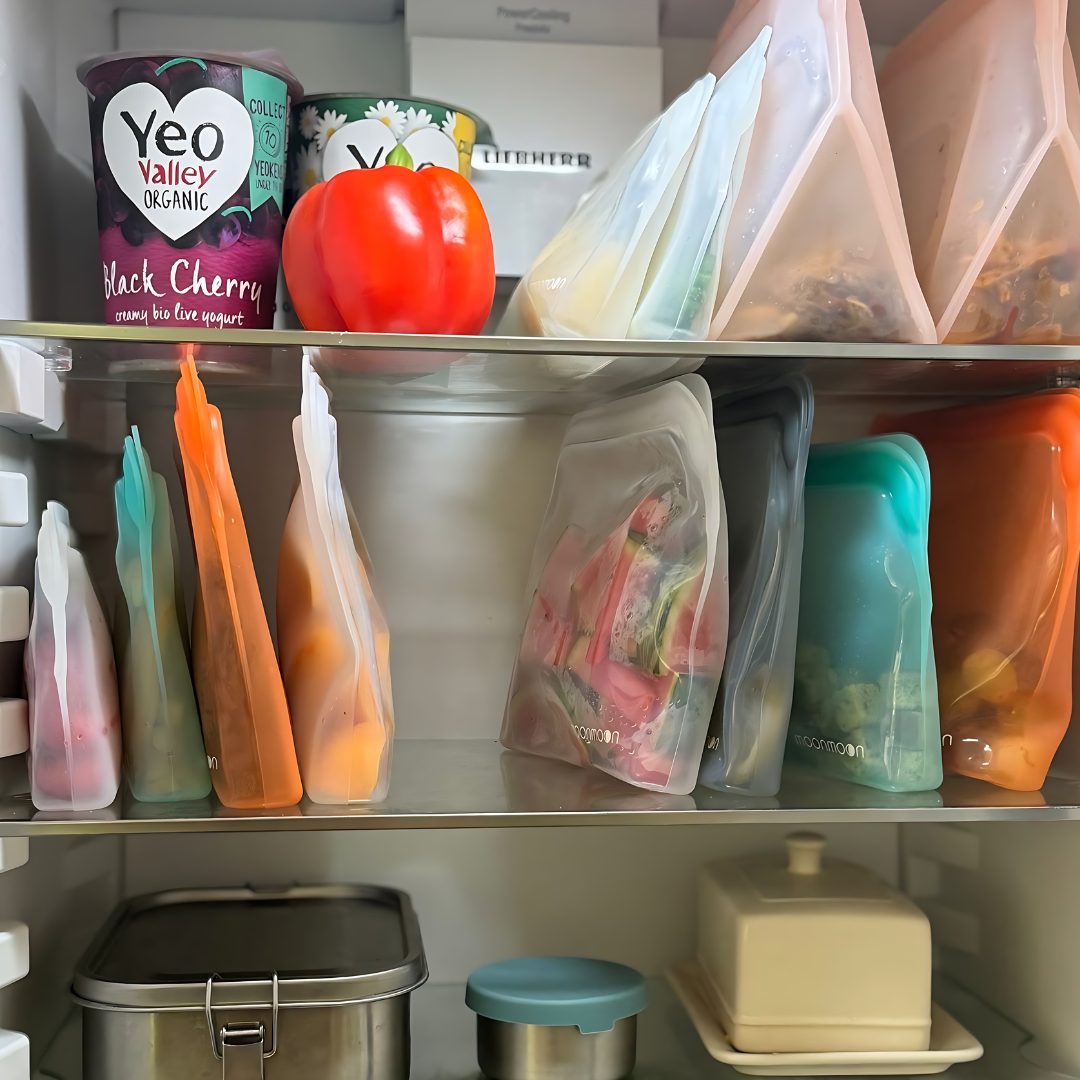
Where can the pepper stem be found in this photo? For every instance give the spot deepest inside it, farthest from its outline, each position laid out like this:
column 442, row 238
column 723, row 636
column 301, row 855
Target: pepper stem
column 400, row 156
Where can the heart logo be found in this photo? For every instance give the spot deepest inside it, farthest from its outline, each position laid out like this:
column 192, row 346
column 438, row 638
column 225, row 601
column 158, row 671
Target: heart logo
column 178, row 166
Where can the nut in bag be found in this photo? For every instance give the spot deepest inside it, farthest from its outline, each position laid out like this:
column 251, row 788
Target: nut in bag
column 332, row 635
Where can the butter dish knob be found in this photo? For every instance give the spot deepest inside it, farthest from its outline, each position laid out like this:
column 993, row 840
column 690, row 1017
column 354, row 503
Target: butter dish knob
column 804, row 852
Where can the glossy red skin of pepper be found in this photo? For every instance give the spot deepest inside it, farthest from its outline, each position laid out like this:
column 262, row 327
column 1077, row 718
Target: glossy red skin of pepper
column 392, row 251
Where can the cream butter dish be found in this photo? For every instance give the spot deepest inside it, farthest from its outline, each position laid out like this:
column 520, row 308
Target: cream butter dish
column 950, row 1042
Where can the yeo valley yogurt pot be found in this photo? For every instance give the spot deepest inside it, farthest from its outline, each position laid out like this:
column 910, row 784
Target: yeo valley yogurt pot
column 189, row 164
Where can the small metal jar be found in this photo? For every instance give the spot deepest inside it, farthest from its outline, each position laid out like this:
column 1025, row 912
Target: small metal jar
column 556, row 1018
column 239, row 984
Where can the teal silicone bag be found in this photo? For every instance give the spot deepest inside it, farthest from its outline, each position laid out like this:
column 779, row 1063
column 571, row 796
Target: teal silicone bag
column 865, row 705
column 164, row 757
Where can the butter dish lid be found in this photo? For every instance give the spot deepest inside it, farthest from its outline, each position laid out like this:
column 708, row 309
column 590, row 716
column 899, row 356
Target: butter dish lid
column 557, row 991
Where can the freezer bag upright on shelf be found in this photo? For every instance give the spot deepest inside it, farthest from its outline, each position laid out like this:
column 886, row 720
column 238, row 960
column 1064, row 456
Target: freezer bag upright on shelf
column 983, row 111
column 816, row 248
column 70, row 679
column 241, row 697
column 762, row 441
column 1004, row 547
column 164, row 756
column 624, row 640
column 332, row 635
column 865, row 706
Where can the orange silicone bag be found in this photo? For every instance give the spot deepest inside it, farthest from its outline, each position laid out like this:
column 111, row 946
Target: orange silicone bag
column 983, row 112
column 816, row 249
column 1004, row 545
column 241, row 698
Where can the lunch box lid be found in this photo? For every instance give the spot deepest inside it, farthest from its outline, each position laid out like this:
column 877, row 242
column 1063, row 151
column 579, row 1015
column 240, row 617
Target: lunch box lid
column 557, row 991
column 327, row 945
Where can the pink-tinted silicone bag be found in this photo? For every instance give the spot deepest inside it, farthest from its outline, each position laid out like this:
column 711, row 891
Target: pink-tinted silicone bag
column 817, row 249
column 983, row 111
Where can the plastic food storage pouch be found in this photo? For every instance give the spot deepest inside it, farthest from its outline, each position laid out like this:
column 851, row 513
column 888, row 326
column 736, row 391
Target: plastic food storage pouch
column 332, row 635
column 627, row 625
column 1004, row 546
column 164, row 757
column 762, row 441
column 983, row 111
column 816, row 249
column 865, row 705
column 245, row 716
column 70, row 679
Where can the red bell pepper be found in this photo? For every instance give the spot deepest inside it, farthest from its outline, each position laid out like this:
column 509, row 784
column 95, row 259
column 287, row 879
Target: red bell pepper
column 390, row 250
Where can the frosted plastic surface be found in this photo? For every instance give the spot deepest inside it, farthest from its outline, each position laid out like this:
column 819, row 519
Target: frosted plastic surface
column 980, row 102
column 762, row 441
column 70, row 679
column 865, row 706
column 627, row 627
column 333, row 639
column 816, row 249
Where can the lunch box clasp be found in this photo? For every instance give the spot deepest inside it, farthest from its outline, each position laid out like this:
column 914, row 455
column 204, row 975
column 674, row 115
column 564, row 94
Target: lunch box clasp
column 242, row 1044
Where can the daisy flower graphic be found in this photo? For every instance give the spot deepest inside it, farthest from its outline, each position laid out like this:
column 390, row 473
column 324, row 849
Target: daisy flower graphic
column 308, row 168
column 326, row 125
column 309, row 115
column 416, row 121
column 449, row 124
column 389, row 114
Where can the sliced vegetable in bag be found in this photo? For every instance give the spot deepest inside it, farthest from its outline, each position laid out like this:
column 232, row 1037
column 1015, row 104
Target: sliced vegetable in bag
column 241, row 697
column 332, row 634
column 164, row 756
column 627, row 625
column 1004, row 549
column 70, row 679
column 816, row 249
column 762, row 442
column 865, row 705
column 983, row 110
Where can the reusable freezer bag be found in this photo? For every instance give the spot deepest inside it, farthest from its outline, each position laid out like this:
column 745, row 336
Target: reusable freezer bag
column 762, row 441
column 865, row 705
column 1004, row 546
column 816, row 249
column 241, row 697
column 164, row 756
column 627, row 625
column 983, row 112
column 333, row 639
column 70, row 679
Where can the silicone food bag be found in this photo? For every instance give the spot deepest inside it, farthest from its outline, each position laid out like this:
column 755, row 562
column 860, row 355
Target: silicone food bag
column 816, row 249
column 244, row 713
column 332, row 635
column 70, row 679
column 983, row 111
column 762, row 441
column 1004, row 545
column 624, row 641
column 164, row 755
column 865, row 705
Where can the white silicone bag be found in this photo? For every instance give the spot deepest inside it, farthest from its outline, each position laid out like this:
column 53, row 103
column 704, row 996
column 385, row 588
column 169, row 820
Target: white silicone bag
column 70, row 680
column 983, row 111
column 816, row 249
column 624, row 640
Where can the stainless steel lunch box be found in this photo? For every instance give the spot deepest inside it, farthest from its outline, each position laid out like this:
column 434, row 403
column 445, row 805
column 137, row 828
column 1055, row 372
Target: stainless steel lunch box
column 290, row 984
column 539, row 1052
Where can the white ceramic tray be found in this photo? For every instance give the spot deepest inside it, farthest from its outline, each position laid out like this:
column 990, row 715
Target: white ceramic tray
column 949, row 1042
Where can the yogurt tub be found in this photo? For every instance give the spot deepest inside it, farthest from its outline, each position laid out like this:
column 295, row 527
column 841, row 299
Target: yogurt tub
column 189, row 164
column 337, row 131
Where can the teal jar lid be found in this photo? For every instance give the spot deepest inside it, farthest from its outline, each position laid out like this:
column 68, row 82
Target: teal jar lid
column 557, row 991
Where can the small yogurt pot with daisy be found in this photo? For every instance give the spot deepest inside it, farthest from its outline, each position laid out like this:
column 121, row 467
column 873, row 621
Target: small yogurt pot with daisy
column 334, row 132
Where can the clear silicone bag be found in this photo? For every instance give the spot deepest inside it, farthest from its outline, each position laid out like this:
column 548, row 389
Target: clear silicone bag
column 333, row 640
column 624, row 641
column 164, row 756
column 762, row 442
column 1004, row 549
column 816, row 249
column 244, row 713
column 865, row 706
column 983, row 111
column 70, row 679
